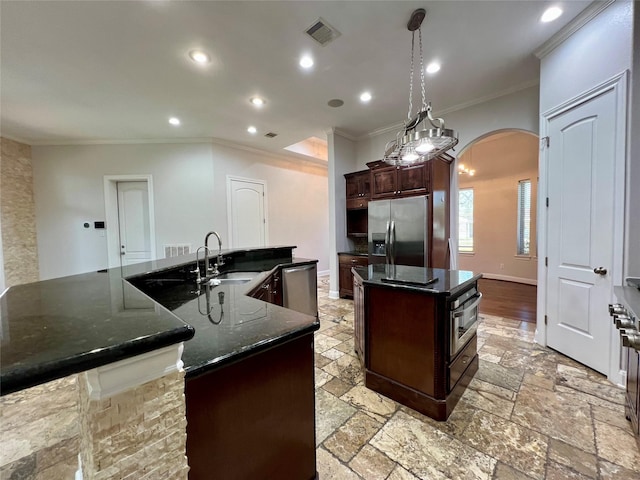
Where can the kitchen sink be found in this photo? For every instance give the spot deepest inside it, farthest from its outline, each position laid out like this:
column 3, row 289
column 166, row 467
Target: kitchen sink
column 233, row 278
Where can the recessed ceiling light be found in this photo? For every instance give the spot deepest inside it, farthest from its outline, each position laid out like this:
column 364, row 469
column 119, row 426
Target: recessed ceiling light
column 257, row 101
column 365, row 97
column 550, row 14
column 175, row 121
column 306, row 61
column 199, row 56
column 252, row 129
column 433, row 67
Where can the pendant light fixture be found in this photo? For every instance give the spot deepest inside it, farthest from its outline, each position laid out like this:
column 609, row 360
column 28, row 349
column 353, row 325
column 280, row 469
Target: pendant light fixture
column 419, row 141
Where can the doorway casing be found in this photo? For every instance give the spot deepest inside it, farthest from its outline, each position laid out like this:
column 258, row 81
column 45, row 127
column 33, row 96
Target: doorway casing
column 111, row 214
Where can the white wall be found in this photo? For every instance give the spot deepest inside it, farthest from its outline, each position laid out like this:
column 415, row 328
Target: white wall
column 297, row 197
column 189, row 192
column 517, row 110
column 597, row 52
column 633, row 179
column 342, row 154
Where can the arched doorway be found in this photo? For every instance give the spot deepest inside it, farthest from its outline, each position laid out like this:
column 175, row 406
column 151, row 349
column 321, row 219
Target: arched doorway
column 497, row 199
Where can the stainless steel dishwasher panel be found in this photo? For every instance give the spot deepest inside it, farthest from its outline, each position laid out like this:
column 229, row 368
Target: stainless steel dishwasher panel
column 300, row 289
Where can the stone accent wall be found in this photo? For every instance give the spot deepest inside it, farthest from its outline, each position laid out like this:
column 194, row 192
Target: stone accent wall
column 20, row 250
column 39, row 432
column 138, row 434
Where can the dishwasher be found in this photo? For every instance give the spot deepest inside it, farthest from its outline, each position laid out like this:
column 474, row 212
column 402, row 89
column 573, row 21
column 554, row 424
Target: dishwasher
column 300, row 289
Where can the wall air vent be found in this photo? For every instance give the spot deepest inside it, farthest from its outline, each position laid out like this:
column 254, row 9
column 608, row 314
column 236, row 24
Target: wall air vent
column 322, row 32
column 270, row 135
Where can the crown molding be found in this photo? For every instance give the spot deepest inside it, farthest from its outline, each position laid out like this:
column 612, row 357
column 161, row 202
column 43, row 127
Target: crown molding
column 455, row 108
column 584, row 17
column 343, row 134
column 128, row 141
column 284, row 155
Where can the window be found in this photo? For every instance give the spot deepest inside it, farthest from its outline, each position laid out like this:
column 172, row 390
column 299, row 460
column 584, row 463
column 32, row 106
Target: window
column 524, row 217
column 465, row 220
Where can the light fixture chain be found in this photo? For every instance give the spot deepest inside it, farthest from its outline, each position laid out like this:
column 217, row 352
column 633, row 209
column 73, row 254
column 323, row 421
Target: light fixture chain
column 413, row 36
column 424, row 98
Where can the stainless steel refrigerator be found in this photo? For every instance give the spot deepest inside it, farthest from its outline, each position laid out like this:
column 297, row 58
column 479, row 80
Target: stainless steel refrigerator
column 398, row 231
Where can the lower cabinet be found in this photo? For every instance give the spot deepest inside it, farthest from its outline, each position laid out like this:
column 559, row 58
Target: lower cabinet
column 345, row 262
column 270, row 290
column 358, row 317
column 254, row 418
column 633, row 391
column 406, row 338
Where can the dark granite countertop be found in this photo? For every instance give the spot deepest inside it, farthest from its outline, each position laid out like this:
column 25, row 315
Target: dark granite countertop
column 435, row 281
column 58, row 327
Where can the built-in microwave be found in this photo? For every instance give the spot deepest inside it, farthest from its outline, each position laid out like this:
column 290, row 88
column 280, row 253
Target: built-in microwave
column 463, row 319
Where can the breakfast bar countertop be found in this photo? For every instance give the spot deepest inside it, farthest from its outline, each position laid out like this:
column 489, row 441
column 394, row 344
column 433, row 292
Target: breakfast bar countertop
column 58, row 327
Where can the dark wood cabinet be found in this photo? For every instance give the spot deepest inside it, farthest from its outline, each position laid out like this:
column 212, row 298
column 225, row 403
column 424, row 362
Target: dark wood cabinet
column 389, row 181
column 358, row 189
column 633, row 391
column 254, row 418
column 358, row 317
column 345, row 263
column 270, row 289
column 406, row 350
column 432, row 178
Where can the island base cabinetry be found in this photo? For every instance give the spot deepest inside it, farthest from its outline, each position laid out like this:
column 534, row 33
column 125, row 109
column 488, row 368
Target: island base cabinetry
column 406, row 350
column 254, row 418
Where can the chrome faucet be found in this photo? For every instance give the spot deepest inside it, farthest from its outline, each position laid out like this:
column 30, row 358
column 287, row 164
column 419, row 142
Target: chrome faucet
column 219, row 260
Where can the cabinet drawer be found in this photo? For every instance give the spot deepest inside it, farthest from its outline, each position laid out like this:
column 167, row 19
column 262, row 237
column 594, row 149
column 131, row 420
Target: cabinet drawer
column 357, row 203
column 462, row 361
column 353, row 260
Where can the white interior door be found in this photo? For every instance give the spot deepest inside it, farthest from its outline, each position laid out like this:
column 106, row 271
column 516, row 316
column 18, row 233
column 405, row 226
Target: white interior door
column 133, row 222
column 247, row 218
column 581, row 229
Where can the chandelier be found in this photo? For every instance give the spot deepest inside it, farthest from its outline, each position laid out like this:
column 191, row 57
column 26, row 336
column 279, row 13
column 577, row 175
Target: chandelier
column 419, row 141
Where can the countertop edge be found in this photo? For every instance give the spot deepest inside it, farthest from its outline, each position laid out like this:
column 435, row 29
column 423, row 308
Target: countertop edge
column 32, row 376
column 221, row 362
column 417, row 288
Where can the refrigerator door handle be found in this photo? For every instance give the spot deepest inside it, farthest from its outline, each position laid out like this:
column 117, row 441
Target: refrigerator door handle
column 392, row 237
column 387, row 243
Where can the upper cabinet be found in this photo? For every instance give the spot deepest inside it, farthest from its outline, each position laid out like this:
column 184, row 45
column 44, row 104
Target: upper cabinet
column 358, row 189
column 389, row 181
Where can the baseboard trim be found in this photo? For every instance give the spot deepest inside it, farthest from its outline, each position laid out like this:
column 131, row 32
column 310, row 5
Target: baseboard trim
column 324, row 273
column 334, row 294
column 508, row 278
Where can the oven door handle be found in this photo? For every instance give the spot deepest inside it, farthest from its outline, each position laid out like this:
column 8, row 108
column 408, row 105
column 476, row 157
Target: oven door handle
column 466, row 308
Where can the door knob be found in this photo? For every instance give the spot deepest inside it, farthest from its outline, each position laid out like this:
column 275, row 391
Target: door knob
column 600, row 270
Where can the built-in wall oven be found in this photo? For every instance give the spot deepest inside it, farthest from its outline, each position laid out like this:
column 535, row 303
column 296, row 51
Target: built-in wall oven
column 463, row 318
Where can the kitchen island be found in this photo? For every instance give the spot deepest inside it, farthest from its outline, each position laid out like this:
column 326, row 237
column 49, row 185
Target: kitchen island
column 243, row 354
column 415, row 334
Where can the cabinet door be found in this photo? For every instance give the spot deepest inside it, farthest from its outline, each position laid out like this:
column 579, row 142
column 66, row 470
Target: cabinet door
column 384, row 182
column 364, row 184
column 358, row 318
column 346, row 280
column 353, row 188
column 275, row 289
column 414, row 180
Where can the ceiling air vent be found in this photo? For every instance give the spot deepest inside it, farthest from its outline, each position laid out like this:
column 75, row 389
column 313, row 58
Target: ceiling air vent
column 322, row 32
column 270, row 135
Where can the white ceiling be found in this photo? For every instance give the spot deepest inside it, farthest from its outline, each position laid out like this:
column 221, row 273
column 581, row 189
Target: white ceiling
column 85, row 71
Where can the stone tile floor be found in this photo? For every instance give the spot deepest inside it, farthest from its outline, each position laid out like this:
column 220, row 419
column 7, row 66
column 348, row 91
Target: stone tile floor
column 529, row 413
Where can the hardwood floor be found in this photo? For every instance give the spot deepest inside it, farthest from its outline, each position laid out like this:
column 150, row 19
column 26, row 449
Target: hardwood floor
column 508, row 299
